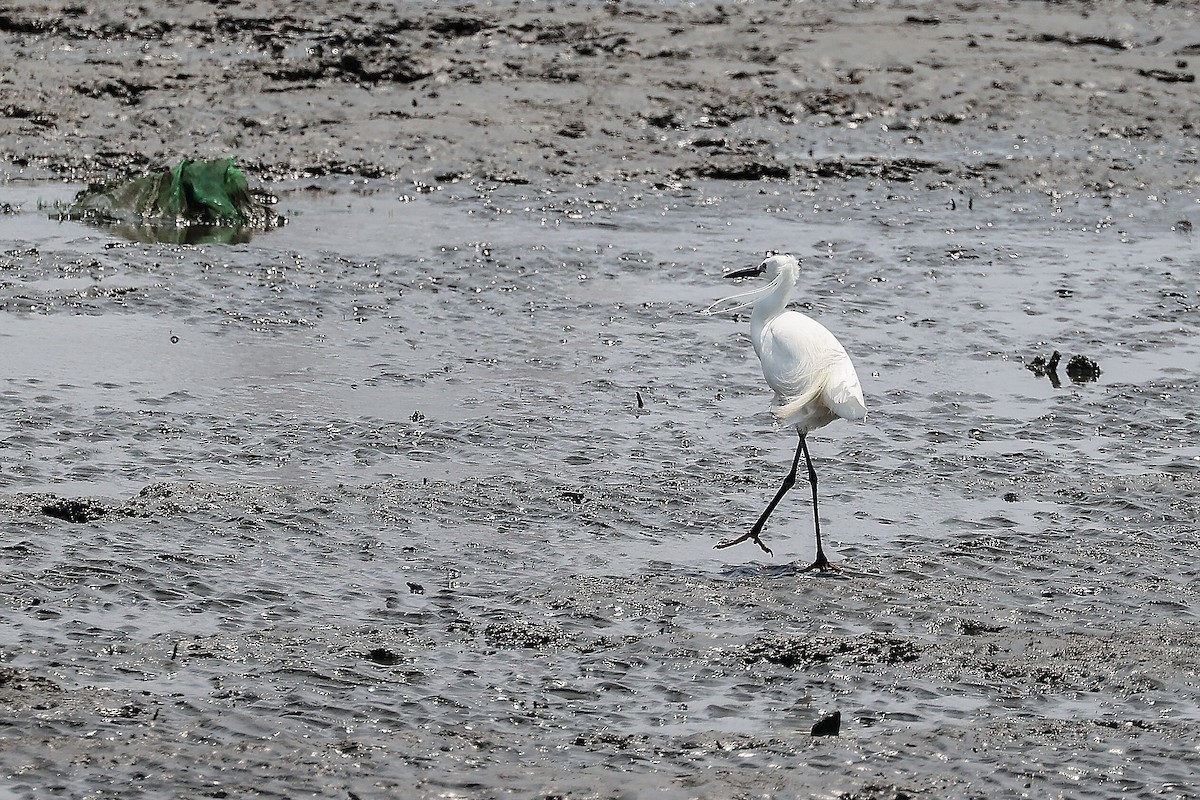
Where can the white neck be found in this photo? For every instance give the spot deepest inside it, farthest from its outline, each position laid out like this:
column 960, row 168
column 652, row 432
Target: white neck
column 772, row 304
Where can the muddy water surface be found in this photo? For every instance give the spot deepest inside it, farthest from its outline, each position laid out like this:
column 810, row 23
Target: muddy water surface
column 368, row 505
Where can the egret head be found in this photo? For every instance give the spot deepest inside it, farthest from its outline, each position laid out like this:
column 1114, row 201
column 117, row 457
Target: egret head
column 772, row 266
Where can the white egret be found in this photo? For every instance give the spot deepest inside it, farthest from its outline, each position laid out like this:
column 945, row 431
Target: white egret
column 807, row 367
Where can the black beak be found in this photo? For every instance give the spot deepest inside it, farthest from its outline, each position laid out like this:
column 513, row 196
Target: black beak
column 748, row 272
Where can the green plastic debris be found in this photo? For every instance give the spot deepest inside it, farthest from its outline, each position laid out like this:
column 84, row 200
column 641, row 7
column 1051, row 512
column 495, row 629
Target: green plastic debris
column 197, row 201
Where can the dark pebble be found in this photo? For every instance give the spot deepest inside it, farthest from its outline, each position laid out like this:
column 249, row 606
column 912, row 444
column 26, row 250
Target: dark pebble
column 828, row 725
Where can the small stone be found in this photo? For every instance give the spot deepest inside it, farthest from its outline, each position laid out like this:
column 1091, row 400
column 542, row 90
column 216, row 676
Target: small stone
column 828, row 725
column 1082, row 369
column 383, row 656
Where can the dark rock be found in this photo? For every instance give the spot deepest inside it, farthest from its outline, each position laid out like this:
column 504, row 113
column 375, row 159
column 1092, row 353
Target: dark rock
column 1046, row 367
column 381, row 655
column 743, row 171
column 1111, row 42
column 899, row 169
column 1167, row 76
column 459, row 26
column 1082, row 369
column 74, row 510
column 879, row 792
column 800, row 651
column 975, row 628
column 828, row 725
column 22, row 680
column 523, row 633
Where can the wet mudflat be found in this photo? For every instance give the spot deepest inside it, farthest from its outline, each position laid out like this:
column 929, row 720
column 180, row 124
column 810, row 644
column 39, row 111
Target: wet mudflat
column 416, row 496
column 376, row 507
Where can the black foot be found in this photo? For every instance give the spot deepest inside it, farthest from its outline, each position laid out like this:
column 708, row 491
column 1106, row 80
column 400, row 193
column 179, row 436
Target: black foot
column 751, row 535
column 822, row 564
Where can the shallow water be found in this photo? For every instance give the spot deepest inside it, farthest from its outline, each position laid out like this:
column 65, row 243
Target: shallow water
column 376, row 506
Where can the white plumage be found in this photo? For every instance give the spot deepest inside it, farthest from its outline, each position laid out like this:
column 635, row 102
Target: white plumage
column 812, row 376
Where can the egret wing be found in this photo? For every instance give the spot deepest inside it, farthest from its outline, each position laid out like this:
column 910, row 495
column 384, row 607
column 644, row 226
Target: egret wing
column 843, row 393
column 795, row 352
column 810, row 372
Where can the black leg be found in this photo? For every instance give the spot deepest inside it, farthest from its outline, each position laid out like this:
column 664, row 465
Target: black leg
column 820, row 562
column 788, row 483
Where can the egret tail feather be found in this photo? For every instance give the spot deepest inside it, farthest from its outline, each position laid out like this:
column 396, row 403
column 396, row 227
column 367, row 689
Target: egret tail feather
column 794, row 410
column 847, row 402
